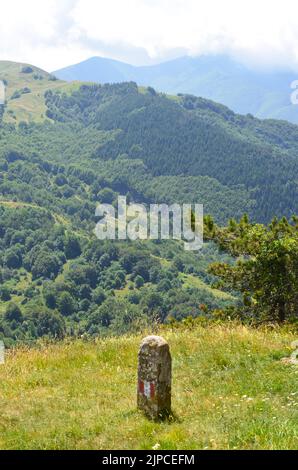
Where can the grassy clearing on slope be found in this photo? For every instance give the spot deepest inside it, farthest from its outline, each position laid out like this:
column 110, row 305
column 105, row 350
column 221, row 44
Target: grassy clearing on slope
column 29, row 106
column 190, row 280
column 230, row 391
column 193, row 281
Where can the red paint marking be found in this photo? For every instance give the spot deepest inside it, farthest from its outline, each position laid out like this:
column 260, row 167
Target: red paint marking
column 152, row 390
column 147, row 389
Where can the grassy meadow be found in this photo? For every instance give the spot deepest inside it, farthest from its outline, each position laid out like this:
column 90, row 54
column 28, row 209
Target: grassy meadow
column 230, row 391
column 30, row 106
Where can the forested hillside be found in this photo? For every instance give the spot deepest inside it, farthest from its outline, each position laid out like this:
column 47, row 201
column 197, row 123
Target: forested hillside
column 92, row 143
column 189, row 136
column 236, row 163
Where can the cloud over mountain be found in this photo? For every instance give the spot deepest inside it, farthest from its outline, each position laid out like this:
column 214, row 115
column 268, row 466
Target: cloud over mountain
column 54, row 33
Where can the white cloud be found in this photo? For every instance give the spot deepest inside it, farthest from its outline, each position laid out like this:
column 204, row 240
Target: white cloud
column 55, row 33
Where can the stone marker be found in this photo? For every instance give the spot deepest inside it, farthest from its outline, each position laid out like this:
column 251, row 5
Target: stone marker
column 155, row 378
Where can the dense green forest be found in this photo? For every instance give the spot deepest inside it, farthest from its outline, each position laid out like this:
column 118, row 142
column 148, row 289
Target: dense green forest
column 97, row 142
column 57, row 281
column 190, row 136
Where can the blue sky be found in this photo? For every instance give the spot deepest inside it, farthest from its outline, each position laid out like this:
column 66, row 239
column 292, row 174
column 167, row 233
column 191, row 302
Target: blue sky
column 56, row 33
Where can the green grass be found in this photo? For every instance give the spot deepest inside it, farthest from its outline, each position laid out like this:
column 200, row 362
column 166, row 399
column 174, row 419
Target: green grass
column 230, row 390
column 193, row 281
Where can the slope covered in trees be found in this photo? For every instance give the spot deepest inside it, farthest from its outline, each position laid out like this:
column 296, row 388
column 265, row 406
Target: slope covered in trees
column 190, row 136
column 94, row 144
column 252, row 163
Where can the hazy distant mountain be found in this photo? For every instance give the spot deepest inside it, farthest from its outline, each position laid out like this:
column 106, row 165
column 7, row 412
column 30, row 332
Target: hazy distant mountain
column 263, row 94
column 98, row 69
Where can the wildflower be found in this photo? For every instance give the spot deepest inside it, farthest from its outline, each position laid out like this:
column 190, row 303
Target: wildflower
column 156, row 447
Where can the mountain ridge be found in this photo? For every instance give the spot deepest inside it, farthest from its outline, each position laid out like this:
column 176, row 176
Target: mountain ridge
column 265, row 94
